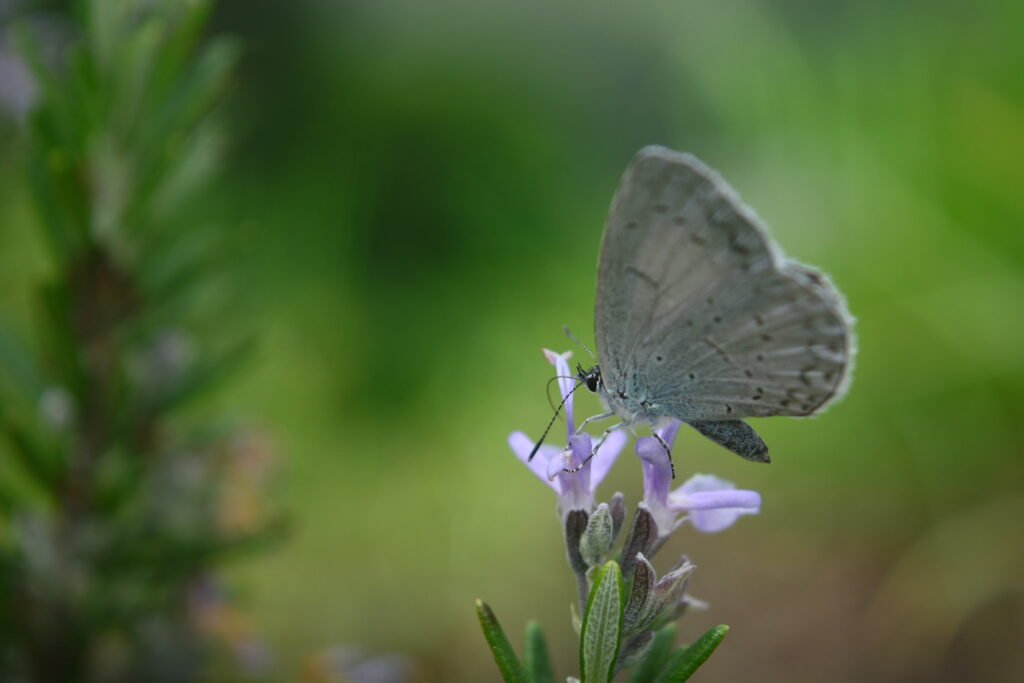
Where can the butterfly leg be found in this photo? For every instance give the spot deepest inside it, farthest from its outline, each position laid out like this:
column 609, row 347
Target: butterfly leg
column 600, row 442
column 593, row 418
column 668, row 452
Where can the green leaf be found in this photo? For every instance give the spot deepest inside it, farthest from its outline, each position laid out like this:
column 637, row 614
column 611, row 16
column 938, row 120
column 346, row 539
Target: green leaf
column 689, row 659
column 17, row 363
column 601, row 636
column 37, row 461
column 191, row 100
column 508, row 664
column 204, row 378
column 535, row 652
column 656, row 657
column 180, row 43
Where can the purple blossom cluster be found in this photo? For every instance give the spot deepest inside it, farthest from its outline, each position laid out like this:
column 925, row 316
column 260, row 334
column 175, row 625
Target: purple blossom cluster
column 709, row 504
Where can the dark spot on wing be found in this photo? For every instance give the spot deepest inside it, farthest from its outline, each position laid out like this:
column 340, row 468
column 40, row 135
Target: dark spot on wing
column 661, row 208
column 738, row 247
column 642, row 275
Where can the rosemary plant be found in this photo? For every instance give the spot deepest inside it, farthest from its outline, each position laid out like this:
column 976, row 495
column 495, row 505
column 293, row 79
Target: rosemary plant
column 116, row 502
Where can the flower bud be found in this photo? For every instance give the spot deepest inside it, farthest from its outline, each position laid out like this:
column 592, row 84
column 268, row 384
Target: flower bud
column 642, row 535
column 597, row 539
column 575, row 525
column 618, row 510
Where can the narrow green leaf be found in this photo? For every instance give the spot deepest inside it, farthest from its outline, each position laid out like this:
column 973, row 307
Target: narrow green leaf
column 191, row 99
column 180, row 43
column 535, row 652
column 204, row 378
column 656, row 657
column 601, row 636
column 17, row 363
column 504, row 656
column 689, row 659
column 35, row 458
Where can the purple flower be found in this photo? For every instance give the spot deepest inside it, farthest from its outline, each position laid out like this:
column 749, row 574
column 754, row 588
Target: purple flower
column 710, row 504
column 575, row 489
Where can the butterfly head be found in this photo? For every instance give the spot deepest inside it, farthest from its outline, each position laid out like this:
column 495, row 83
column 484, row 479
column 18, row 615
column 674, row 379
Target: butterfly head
column 591, row 378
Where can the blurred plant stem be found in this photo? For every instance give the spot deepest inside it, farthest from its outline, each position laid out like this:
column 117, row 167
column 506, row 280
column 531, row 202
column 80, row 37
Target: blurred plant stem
column 121, row 505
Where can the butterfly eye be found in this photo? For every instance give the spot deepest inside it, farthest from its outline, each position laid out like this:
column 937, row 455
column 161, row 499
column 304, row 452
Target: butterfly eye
column 593, row 379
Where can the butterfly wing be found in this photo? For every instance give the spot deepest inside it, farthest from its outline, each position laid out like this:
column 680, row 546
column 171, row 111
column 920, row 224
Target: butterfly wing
column 697, row 311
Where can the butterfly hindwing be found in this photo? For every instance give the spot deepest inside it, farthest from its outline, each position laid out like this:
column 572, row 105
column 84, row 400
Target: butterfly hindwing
column 698, row 312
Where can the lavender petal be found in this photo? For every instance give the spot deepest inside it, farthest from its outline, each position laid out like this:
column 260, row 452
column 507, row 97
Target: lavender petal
column 565, row 383
column 713, row 521
column 521, row 446
column 606, row 456
column 714, row 500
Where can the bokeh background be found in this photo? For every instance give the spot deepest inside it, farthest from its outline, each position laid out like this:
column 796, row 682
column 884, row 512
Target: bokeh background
column 415, row 194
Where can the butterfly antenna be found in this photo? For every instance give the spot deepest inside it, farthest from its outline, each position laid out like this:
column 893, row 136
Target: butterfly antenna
column 570, row 335
column 547, row 388
column 552, row 422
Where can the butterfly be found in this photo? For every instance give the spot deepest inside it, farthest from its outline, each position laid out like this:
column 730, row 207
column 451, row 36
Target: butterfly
column 699, row 317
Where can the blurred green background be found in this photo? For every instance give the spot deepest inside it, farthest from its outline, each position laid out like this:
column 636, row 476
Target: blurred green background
column 415, row 194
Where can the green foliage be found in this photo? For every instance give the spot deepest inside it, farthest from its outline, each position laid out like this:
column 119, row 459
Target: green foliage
column 657, row 656
column 688, row 659
column 601, row 634
column 118, row 506
column 511, row 669
column 535, row 654
column 420, row 200
column 601, row 642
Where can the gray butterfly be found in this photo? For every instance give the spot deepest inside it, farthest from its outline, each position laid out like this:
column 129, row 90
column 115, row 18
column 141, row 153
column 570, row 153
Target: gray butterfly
column 699, row 316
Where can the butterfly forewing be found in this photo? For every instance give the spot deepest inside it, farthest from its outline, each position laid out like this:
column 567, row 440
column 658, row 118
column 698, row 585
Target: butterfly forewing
column 698, row 313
